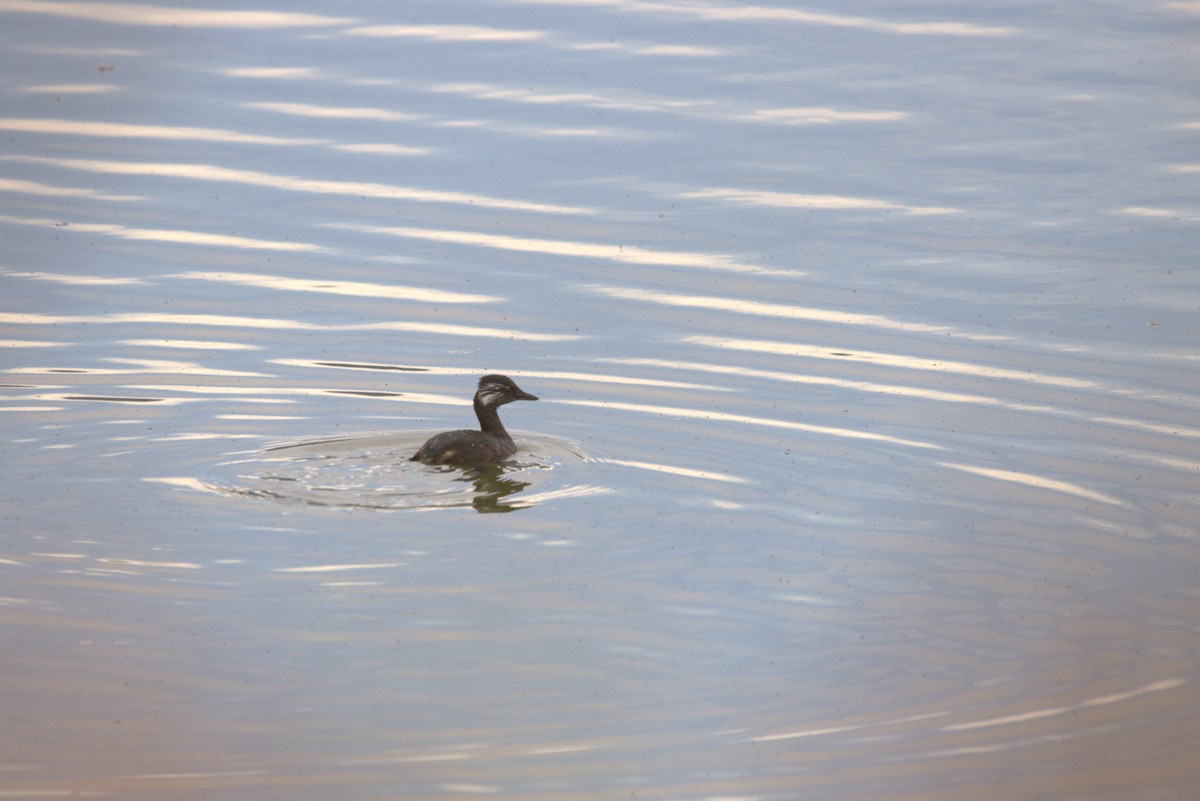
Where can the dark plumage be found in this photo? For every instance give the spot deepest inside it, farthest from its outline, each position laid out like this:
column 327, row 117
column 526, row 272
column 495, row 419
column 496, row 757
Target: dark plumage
column 491, row 443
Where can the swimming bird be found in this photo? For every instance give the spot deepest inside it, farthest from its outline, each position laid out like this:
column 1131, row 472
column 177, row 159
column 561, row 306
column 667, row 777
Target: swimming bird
column 491, row 443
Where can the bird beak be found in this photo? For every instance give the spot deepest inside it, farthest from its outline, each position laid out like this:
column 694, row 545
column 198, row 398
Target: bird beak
column 522, row 395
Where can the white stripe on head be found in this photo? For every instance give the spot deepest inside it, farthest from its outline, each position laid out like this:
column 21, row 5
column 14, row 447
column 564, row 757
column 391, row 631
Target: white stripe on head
column 492, row 394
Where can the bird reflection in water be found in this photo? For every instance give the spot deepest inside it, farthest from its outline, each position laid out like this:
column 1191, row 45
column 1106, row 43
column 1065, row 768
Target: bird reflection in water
column 491, row 487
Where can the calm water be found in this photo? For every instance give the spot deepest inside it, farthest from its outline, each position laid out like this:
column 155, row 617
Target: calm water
column 866, row 462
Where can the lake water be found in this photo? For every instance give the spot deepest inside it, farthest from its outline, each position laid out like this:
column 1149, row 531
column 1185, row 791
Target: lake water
column 866, row 459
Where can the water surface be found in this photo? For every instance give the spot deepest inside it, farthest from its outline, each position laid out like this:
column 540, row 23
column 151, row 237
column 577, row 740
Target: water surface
column 867, row 453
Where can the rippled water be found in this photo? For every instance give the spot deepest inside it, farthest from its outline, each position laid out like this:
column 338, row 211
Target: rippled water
column 866, row 458
column 376, row 472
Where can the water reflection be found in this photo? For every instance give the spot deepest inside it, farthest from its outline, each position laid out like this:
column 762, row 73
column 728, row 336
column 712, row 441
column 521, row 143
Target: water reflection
column 814, row 116
column 187, row 321
column 809, row 378
column 74, row 279
column 275, row 73
column 764, row 309
column 176, row 236
column 1030, row 480
column 624, row 379
column 446, row 33
column 314, row 111
column 625, row 254
column 791, row 425
column 491, row 125
column 794, row 200
column 71, row 89
column 47, row 190
column 672, row 105
column 110, row 399
column 491, row 487
column 128, row 130
column 894, row 492
column 892, row 359
column 779, row 14
column 675, row 470
column 374, row 472
column 333, row 287
column 289, row 183
column 173, row 17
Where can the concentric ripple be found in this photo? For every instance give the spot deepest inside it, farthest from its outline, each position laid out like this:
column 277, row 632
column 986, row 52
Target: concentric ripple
column 374, row 472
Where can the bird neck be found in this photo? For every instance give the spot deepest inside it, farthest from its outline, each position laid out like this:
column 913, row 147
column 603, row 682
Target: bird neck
column 489, row 420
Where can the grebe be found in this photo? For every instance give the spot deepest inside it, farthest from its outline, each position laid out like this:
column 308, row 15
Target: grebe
column 491, row 443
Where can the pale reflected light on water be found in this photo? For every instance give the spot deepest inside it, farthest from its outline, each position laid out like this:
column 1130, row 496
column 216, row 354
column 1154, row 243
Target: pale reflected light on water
column 867, row 454
column 376, row 473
